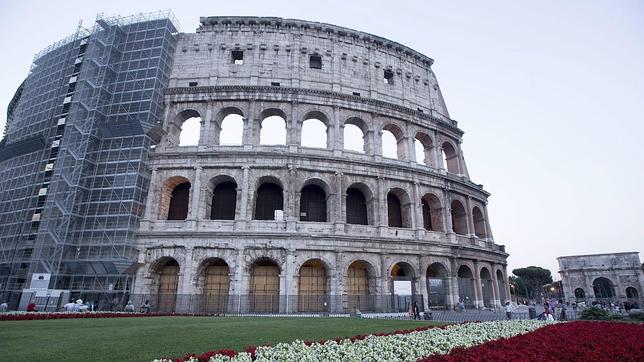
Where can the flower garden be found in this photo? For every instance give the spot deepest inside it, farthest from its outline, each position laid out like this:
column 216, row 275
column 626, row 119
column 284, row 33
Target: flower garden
column 525, row 340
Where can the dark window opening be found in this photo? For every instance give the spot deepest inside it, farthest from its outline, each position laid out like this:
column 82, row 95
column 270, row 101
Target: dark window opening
column 356, row 94
column 192, row 84
column 238, row 57
column 31, row 237
column 275, row 84
column 224, row 201
column 356, row 207
column 41, row 201
column 313, row 204
column 269, row 199
column 315, row 62
column 27, row 253
column 427, row 217
column 389, row 77
column 60, row 129
column 71, row 88
column 178, row 209
column 66, row 108
column 394, row 211
column 77, row 68
column 82, row 49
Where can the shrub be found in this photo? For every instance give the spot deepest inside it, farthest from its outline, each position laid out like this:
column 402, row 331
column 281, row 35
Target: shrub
column 594, row 313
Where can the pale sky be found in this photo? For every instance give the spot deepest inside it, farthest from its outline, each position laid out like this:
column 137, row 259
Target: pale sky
column 550, row 96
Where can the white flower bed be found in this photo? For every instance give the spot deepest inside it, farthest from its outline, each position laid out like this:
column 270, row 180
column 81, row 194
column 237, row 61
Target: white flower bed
column 397, row 347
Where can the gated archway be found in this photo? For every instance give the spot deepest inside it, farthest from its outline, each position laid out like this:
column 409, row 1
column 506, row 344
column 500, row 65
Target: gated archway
column 437, row 285
column 264, row 286
column 312, row 287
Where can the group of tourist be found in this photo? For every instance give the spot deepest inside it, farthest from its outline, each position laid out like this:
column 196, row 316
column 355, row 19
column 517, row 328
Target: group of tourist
column 79, row 306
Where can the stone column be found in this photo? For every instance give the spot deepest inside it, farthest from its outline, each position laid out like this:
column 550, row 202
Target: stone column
column 288, row 288
column 338, row 293
column 289, row 198
column 488, row 229
column 239, row 285
column 469, row 217
column 453, row 296
column 249, row 139
column 339, row 217
column 151, row 212
column 477, row 285
column 439, row 163
column 417, row 211
column 194, row 212
column 381, row 205
column 293, row 129
column 185, row 289
column 506, row 283
column 411, row 150
column 423, row 284
column 205, row 138
column 382, row 301
column 243, row 216
column 447, row 212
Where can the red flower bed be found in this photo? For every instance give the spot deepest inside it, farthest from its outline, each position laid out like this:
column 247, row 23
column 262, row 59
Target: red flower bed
column 41, row 316
column 572, row 341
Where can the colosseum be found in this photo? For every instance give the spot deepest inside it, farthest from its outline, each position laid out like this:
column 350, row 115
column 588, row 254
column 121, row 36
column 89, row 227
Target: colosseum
column 293, row 225
column 324, row 174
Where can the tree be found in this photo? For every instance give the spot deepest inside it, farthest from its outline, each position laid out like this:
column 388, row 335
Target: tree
column 518, row 287
column 534, row 278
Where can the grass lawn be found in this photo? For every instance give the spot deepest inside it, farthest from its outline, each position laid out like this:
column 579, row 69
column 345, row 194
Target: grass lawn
column 143, row 339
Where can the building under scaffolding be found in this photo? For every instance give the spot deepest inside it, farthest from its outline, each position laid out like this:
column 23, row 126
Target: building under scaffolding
column 73, row 160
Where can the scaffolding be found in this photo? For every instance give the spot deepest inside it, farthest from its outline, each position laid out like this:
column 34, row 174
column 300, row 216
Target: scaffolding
column 71, row 208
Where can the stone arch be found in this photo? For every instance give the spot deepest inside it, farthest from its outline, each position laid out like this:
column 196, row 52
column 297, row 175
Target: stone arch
column 351, row 135
column 399, row 137
column 424, row 148
column 313, row 286
column 314, row 197
column 580, row 294
column 500, row 280
column 466, row 289
column 313, row 123
column 437, row 276
column 603, row 288
column 221, row 198
column 174, row 127
column 480, row 227
column 459, row 218
column 361, row 285
column 269, row 197
column 273, row 126
column 229, row 126
column 174, row 198
column 432, row 212
column 398, row 208
column 450, row 157
column 166, row 273
column 264, row 289
column 487, row 287
column 215, row 273
column 359, row 204
column 632, row 293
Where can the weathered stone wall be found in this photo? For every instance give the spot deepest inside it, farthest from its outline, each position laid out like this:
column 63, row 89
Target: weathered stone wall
column 280, row 53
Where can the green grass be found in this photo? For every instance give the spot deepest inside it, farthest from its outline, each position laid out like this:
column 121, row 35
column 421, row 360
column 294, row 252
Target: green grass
column 143, row 339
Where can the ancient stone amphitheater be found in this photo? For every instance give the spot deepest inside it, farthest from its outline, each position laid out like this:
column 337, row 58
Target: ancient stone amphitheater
column 327, row 177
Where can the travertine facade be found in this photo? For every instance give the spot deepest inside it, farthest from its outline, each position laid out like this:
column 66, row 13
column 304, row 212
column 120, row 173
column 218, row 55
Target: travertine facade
column 603, row 277
column 382, row 219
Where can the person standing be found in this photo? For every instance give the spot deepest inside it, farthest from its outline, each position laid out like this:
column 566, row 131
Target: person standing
column 410, row 311
column 416, row 311
column 508, row 310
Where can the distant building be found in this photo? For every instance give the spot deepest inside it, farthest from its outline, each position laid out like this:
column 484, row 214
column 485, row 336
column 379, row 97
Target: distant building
column 602, row 277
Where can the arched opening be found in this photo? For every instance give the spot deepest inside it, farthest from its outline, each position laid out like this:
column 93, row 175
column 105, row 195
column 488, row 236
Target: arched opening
column 466, row 286
column 273, row 131
column 479, row 223
column 423, row 146
column 487, row 287
column 580, row 294
column 312, row 287
column 437, row 285
column 190, row 130
column 393, row 142
column 313, row 204
column 603, row 288
column 401, row 286
column 264, row 286
column 355, row 131
column 356, row 205
column 224, row 201
column 432, row 213
column 314, row 133
column 394, row 211
column 358, row 280
column 398, row 208
column 179, row 201
column 232, row 130
column 631, row 293
column 501, row 286
column 270, row 199
column 168, row 281
column 450, row 157
column 216, row 286
column 459, row 218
